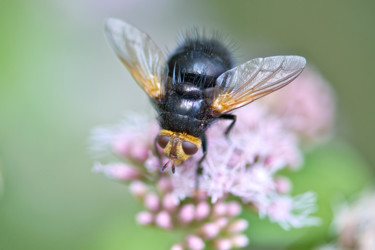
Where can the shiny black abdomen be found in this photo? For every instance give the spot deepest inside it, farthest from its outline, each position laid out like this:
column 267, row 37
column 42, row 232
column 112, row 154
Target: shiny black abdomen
column 185, row 109
column 192, row 70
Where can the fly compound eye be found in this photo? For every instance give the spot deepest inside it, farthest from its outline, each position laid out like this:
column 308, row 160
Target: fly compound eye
column 163, row 140
column 189, row 148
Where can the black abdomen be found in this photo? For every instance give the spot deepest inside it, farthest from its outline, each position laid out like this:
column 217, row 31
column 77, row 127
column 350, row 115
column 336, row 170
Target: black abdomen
column 185, row 109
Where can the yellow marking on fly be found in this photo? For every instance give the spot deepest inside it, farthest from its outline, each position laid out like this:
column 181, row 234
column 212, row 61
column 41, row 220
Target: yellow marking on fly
column 220, row 103
column 174, row 150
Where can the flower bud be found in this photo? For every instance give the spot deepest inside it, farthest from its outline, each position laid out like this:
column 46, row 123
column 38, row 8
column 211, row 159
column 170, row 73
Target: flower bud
column 152, row 202
column 144, row 218
column 240, row 241
column 186, row 214
column 238, row 226
column 164, row 220
column 219, row 209
column 222, row 222
column 177, row 247
column 282, row 185
column 202, row 211
column 223, row 244
column 210, row 230
column 138, row 189
column 194, row 242
column 170, row 202
column 164, row 185
column 234, row 208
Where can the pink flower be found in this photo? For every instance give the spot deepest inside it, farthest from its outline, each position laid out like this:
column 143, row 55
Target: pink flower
column 170, row 203
column 246, row 165
column 118, row 171
column 138, row 189
column 186, row 214
column 210, row 230
column 152, row 202
column 238, row 226
column 202, row 210
column 164, row 220
column 239, row 241
column 194, row 242
column 223, row 244
column 282, row 185
column 354, row 224
column 290, row 212
column 144, row 218
column 238, row 172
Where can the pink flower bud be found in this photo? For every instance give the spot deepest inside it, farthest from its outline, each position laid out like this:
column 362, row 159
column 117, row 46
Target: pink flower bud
column 163, row 220
column 194, row 242
column 238, row 226
column 177, row 247
column 170, row 202
column 152, row 163
column 139, row 152
column 118, row 171
column 124, row 172
column 240, row 241
column 138, row 189
column 152, row 201
column 220, row 209
column 121, row 146
column 202, row 211
column 186, row 214
column 210, row 230
column 222, row 222
column 234, row 208
column 280, row 209
column 144, row 218
column 165, row 185
column 282, row 185
column 223, row 244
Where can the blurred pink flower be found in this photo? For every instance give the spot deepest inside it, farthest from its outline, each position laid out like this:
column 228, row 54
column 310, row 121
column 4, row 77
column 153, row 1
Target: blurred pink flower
column 290, row 211
column 307, row 106
column 118, row 171
column 145, row 218
column 354, row 224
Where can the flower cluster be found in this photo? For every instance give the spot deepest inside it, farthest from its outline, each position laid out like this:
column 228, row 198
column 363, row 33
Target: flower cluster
column 239, row 172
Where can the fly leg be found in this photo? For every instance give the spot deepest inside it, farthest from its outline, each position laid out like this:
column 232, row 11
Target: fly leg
column 199, row 170
column 229, row 128
column 157, row 151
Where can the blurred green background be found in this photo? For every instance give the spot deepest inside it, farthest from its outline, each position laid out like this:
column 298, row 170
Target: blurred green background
column 58, row 79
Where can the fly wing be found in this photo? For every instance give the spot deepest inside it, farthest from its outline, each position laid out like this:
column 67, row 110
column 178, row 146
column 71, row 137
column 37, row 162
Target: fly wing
column 141, row 56
column 254, row 79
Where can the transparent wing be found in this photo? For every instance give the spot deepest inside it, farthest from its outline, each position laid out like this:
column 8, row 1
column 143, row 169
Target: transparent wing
column 254, row 79
column 144, row 60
